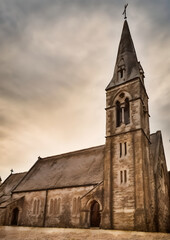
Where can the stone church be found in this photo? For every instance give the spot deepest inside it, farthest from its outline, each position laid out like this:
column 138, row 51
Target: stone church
column 123, row 184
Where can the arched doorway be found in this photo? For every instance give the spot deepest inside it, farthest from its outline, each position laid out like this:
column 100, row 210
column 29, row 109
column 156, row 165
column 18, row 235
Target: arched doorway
column 15, row 214
column 95, row 214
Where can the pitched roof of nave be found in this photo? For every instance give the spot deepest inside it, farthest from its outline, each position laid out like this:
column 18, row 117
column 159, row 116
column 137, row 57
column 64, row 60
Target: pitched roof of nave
column 126, row 59
column 156, row 148
column 9, row 184
column 79, row 168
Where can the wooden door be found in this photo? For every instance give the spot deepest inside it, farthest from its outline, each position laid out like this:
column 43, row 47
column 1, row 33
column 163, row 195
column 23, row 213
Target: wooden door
column 15, row 216
column 95, row 214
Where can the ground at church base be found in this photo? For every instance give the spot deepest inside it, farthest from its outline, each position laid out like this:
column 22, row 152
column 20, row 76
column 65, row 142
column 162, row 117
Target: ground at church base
column 30, row 233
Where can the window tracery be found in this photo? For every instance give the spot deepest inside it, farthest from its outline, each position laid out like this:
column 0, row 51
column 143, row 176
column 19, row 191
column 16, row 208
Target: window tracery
column 55, row 206
column 123, row 176
column 76, row 206
column 36, row 206
column 123, row 149
column 126, row 112
column 118, row 114
column 122, row 111
column 51, row 206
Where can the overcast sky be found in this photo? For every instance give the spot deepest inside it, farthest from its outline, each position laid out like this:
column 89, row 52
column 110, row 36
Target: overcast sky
column 56, row 59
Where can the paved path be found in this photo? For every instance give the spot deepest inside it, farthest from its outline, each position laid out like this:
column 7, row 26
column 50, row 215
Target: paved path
column 28, row 233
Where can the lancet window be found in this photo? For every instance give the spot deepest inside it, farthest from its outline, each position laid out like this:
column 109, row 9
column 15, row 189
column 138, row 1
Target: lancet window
column 123, row 176
column 36, row 206
column 51, row 206
column 126, row 112
column 123, row 149
column 122, row 113
column 76, row 206
column 55, row 206
column 121, row 69
column 118, row 114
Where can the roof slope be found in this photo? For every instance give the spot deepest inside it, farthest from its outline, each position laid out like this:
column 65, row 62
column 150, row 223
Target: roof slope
column 156, row 146
column 154, row 138
column 127, row 58
column 9, row 184
column 72, row 169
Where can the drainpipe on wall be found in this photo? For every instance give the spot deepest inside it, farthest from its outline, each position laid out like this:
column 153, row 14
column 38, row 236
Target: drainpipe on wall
column 45, row 208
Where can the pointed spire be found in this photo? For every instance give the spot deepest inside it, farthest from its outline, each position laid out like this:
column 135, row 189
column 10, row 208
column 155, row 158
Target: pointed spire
column 127, row 66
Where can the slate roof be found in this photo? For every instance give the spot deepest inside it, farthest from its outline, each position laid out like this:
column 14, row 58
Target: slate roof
column 154, row 138
column 10, row 201
column 9, row 184
column 84, row 167
column 126, row 52
column 156, row 144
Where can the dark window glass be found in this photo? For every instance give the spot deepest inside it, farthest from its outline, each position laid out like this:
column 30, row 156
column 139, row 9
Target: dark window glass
column 125, row 176
column 118, row 114
column 120, row 149
column 126, row 111
column 121, row 73
column 121, row 176
column 125, row 145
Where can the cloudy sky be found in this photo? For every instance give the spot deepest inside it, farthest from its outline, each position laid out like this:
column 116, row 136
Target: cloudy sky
column 57, row 57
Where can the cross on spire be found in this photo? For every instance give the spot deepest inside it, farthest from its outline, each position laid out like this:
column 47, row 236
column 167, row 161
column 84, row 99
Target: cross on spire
column 124, row 12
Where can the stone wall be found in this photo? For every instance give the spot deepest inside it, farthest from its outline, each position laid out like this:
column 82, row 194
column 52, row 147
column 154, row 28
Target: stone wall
column 123, row 191
column 64, row 207
column 55, row 208
column 2, row 216
column 95, row 194
column 128, row 159
column 162, row 192
column 32, row 208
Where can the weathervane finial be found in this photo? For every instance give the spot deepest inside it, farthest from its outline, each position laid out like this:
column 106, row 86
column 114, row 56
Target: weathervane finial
column 124, row 12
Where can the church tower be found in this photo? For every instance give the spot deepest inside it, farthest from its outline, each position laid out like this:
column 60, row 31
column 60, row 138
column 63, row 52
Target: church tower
column 127, row 196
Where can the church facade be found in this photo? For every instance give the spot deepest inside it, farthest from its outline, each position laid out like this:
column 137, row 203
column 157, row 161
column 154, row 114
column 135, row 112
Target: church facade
column 123, row 184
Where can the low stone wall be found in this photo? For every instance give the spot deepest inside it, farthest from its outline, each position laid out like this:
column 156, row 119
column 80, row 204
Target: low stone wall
column 28, row 233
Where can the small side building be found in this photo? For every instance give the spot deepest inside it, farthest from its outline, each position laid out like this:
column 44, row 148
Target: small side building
column 6, row 189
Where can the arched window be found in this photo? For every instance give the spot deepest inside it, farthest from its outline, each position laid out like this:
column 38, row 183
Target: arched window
column 126, row 112
column 123, row 176
column 74, row 206
column 38, row 205
column 118, row 114
column 55, row 206
column 34, row 206
column 122, row 111
column 78, row 205
column 121, row 71
column 51, row 206
column 58, row 206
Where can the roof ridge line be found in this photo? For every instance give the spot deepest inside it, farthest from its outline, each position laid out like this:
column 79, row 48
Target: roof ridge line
column 72, row 152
